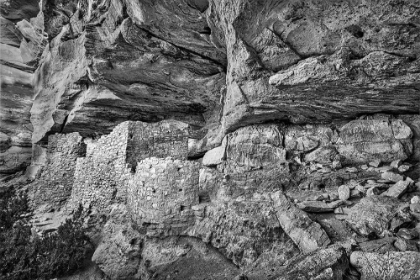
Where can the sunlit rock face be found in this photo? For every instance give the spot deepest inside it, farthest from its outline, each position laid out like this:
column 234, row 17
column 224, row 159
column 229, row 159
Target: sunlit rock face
column 85, row 66
column 21, row 42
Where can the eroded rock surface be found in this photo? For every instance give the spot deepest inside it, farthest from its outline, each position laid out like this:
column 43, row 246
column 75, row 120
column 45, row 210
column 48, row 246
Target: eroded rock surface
column 219, row 139
column 392, row 265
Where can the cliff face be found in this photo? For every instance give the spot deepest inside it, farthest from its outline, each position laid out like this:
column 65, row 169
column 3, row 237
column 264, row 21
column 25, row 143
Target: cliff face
column 271, row 139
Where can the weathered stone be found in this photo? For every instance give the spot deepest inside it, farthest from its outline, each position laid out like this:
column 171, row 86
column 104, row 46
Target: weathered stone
column 55, row 182
column 119, row 253
column 315, row 206
column 404, row 168
column 373, row 214
column 373, row 191
column 253, row 148
column 247, row 232
column 161, row 193
column 343, row 192
column 356, row 193
column 391, row 265
column 398, row 189
column 319, row 206
column 415, row 207
column 405, row 245
column 306, row 234
column 396, row 163
column 375, row 163
column 392, row 176
column 214, row 156
column 367, row 140
column 330, row 263
column 325, row 155
column 408, row 233
column 381, row 246
column 186, row 257
column 415, row 199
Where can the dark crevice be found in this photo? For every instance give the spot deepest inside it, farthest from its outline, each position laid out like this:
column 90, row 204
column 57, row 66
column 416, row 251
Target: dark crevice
column 204, row 197
column 410, row 24
column 301, row 56
column 64, row 124
column 199, row 5
column 206, row 30
column 24, row 68
column 223, row 66
column 355, row 30
column 410, row 57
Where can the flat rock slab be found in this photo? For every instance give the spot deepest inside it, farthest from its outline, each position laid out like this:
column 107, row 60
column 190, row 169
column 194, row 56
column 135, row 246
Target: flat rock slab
column 381, row 246
column 191, row 258
column 373, row 214
column 319, row 206
column 392, row 265
column 215, row 156
column 391, row 176
column 328, row 263
column 307, row 234
column 398, row 189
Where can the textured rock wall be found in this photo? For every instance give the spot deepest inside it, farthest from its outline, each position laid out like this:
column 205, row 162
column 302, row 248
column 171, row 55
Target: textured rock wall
column 55, row 183
column 100, row 174
column 167, row 139
column 87, row 66
column 21, row 42
column 161, row 194
column 109, row 167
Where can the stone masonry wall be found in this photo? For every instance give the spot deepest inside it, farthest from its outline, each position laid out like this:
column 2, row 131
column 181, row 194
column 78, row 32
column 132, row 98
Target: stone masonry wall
column 108, row 171
column 163, row 139
column 161, row 194
column 56, row 180
column 100, row 174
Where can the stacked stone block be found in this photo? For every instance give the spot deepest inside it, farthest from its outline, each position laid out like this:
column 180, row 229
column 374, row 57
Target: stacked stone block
column 145, row 166
column 254, row 147
column 56, row 180
column 161, row 193
column 100, row 177
column 163, row 139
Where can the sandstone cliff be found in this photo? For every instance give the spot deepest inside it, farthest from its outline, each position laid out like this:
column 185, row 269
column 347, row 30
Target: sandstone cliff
column 220, row 139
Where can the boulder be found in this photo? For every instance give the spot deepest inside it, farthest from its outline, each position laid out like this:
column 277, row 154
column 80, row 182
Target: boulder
column 398, row 189
column 119, row 253
column 375, row 140
column 372, row 215
column 184, row 258
column 214, row 156
column 330, row 263
column 391, row 176
column 319, row 206
column 381, row 246
column 305, row 233
column 415, row 199
column 391, row 265
column 343, row 192
column 405, row 245
column 247, row 232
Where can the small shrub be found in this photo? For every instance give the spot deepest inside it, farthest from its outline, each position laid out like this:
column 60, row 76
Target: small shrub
column 23, row 256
